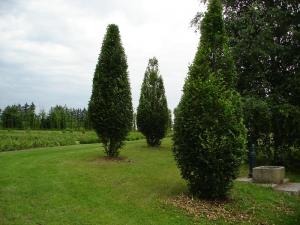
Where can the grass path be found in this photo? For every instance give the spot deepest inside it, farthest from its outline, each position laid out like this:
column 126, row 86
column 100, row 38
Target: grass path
column 72, row 185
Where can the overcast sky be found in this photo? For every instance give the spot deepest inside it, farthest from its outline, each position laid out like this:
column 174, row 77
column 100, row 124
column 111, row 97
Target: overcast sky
column 49, row 49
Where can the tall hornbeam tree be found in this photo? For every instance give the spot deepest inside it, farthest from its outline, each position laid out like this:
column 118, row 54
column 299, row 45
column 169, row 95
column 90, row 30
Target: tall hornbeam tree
column 152, row 112
column 209, row 134
column 110, row 106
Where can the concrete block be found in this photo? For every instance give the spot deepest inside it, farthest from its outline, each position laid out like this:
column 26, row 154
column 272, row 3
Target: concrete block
column 269, row 174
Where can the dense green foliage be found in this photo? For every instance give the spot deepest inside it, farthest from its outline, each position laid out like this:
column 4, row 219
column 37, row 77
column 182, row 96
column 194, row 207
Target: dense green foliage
column 62, row 117
column 264, row 37
column 110, row 106
column 265, row 41
column 72, row 185
column 58, row 118
column 17, row 116
column 18, row 140
column 152, row 112
column 209, row 134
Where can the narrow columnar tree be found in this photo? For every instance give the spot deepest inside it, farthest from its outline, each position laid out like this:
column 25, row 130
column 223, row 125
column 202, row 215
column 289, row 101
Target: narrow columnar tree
column 152, row 112
column 134, row 128
column 110, row 106
column 170, row 123
column 209, row 135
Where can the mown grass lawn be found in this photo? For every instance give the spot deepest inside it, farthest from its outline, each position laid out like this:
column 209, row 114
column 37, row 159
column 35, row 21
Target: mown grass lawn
column 74, row 185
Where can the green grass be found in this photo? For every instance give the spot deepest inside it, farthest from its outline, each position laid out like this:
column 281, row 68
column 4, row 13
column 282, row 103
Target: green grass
column 72, row 185
column 25, row 139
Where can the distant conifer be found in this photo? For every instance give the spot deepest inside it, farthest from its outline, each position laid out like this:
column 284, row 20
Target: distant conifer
column 152, row 112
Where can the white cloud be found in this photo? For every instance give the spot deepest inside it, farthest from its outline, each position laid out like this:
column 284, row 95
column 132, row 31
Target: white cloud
column 48, row 50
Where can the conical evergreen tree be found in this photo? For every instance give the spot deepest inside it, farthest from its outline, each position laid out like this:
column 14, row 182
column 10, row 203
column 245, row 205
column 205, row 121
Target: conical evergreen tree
column 209, row 135
column 110, row 106
column 152, row 112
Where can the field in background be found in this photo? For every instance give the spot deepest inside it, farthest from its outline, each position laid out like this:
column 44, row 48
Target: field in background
column 24, row 139
column 76, row 185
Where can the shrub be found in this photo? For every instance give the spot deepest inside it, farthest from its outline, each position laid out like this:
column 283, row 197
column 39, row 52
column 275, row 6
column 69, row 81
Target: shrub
column 134, row 135
column 209, row 134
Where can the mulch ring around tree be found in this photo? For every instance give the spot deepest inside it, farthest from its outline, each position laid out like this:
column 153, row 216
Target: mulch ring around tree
column 212, row 210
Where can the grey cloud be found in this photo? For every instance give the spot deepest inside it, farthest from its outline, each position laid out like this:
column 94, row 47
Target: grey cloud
column 8, row 6
column 48, row 50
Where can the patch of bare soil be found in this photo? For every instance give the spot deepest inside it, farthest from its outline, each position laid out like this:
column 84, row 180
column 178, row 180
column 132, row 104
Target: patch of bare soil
column 212, row 210
column 113, row 159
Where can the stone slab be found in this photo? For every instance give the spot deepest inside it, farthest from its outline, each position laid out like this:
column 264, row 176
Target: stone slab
column 244, row 179
column 267, row 185
column 290, row 188
column 250, row 180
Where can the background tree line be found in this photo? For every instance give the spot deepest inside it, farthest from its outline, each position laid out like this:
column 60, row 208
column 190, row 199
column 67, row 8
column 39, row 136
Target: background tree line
column 58, row 118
